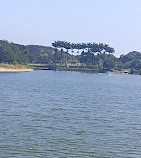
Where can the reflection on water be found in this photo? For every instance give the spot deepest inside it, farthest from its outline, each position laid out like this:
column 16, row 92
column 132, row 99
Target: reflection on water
column 70, row 114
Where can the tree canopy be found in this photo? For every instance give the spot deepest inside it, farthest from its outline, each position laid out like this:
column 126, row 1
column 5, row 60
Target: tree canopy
column 91, row 47
column 10, row 53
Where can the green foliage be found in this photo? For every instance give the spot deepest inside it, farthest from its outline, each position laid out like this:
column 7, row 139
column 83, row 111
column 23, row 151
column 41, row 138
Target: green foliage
column 109, row 61
column 10, row 53
column 91, row 47
column 130, row 56
column 98, row 61
column 131, row 60
column 43, row 54
column 89, row 53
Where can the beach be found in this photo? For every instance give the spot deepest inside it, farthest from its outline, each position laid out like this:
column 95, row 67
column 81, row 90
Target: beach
column 15, row 70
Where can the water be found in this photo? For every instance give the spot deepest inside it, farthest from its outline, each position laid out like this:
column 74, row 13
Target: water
column 52, row 114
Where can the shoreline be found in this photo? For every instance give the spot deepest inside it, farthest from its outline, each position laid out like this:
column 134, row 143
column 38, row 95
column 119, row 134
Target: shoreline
column 15, row 70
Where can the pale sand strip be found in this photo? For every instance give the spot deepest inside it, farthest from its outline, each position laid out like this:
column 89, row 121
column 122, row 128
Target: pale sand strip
column 15, row 70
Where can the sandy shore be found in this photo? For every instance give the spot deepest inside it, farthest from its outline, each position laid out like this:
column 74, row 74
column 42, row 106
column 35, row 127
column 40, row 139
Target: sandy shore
column 15, row 70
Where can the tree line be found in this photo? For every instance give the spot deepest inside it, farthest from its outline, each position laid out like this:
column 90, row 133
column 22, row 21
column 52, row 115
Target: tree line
column 98, row 56
column 91, row 54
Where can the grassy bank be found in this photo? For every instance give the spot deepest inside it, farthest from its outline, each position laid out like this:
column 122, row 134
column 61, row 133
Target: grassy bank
column 14, row 68
column 11, row 66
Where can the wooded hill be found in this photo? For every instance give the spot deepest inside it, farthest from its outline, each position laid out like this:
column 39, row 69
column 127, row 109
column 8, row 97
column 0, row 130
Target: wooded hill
column 12, row 53
column 86, row 55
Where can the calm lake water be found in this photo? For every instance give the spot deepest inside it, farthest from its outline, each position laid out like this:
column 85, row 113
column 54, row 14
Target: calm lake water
column 52, row 114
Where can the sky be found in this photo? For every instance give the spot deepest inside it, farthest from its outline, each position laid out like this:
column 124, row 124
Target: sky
column 115, row 22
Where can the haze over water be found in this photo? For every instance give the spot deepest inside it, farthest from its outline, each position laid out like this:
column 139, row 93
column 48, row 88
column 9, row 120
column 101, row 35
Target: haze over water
column 70, row 114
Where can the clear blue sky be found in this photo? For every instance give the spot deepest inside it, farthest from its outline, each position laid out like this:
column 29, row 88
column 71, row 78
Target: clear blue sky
column 115, row 22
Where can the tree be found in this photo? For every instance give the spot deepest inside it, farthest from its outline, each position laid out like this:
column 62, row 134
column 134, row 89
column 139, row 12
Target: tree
column 10, row 53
